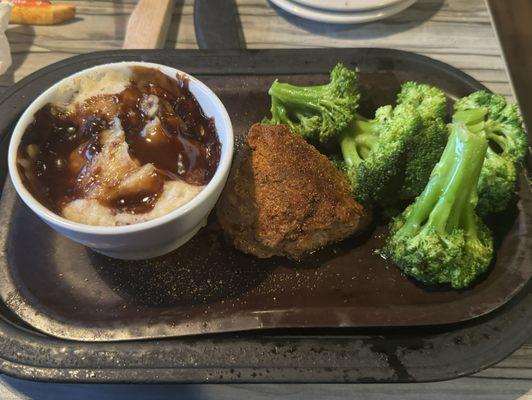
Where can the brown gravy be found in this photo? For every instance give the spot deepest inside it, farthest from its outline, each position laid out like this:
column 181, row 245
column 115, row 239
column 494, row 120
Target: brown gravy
column 181, row 144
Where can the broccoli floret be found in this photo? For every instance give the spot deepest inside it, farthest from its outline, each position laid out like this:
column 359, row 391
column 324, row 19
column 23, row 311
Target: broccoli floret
column 497, row 183
column 391, row 157
column 426, row 147
column 507, row 144
column 375, row 152
column 318, row 113
column 430, row 101
column 504, row 125
column 439, row 238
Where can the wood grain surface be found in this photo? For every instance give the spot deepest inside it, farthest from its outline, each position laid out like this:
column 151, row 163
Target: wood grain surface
column 458, row 32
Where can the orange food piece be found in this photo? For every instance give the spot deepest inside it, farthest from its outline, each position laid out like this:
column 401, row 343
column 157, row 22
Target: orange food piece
column 41, row 13
column 31, row 3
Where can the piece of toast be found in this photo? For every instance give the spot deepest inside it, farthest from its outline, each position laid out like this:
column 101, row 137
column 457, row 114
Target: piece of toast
column 48, row 14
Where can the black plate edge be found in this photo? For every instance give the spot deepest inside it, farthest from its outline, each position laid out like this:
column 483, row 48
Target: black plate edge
column 389, row 347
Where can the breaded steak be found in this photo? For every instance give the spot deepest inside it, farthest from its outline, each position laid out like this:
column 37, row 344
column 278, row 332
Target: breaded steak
column 285, row 198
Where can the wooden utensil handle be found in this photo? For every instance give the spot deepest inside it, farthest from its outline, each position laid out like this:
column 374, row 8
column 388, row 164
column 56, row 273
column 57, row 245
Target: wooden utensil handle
column 148, row 24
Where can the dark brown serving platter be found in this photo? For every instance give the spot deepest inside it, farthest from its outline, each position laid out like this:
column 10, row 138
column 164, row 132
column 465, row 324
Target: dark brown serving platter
column 68, row 291
column 376, row 354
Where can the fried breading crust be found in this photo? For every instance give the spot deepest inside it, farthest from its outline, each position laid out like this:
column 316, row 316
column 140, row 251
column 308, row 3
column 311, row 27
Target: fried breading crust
column 285, row 198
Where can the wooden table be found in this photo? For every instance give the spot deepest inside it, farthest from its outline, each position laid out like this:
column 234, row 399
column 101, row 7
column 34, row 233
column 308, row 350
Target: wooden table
column 458, row 32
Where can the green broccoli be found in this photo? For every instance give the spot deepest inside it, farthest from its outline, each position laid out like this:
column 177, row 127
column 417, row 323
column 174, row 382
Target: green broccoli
column 389, row 158
column 318, row 113
column 497, row 183
column 374, row 152
column 439, row 238
column 507, row 144
column 430, row 101
column 425, row 148
column 504, row 125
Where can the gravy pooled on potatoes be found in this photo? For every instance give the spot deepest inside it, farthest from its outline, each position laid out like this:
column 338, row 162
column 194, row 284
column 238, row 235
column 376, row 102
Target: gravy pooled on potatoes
column 119, row 149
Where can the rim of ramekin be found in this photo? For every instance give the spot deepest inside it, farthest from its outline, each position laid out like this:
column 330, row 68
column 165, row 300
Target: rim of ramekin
column 224, row 165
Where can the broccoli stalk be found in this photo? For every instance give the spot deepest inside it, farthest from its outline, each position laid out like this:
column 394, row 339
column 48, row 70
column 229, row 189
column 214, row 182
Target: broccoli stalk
column 318, row 113
column 507, row 144
column 439, row 238
column 359, row 140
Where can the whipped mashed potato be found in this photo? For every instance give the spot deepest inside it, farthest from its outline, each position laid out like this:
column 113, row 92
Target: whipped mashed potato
column 92, row 212
column 100, row 82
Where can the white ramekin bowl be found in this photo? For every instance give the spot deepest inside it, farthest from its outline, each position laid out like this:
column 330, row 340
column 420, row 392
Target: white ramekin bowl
column 147, row 239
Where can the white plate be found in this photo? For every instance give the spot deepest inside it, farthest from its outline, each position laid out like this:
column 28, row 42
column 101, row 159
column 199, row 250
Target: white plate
column 347, row 5
column 341, row 17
